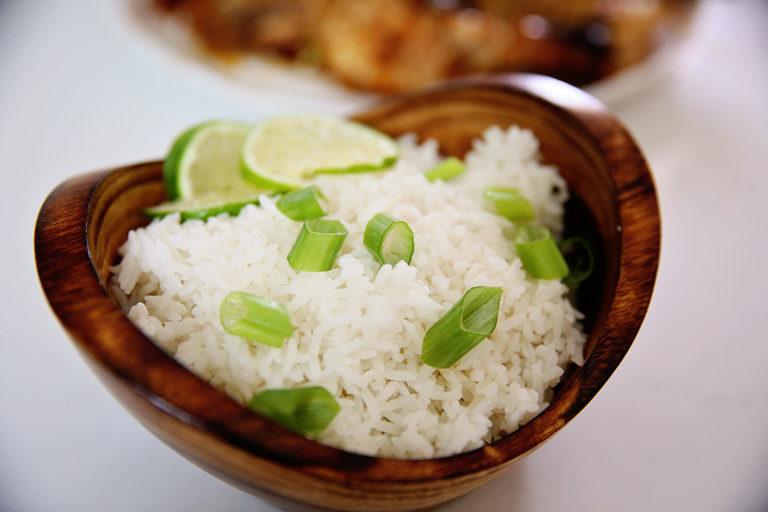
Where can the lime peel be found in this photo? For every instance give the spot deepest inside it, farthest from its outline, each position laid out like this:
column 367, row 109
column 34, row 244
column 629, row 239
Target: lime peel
column 284, row 153
column 205, row 159
column 201, row 208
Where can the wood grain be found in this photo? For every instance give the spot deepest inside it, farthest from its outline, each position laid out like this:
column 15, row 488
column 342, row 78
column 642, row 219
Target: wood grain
column 85, row 219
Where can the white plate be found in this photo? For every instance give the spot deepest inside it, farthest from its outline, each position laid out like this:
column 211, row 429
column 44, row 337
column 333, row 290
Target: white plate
column 165, row 38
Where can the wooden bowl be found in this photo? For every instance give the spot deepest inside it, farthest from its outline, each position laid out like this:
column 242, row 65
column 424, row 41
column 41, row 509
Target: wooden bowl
column 85, row 219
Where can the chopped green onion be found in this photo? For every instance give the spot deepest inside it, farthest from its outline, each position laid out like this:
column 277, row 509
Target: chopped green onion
column 255, row 319
column 307, row 411
column 578, row 253
column 389, row 240
column 317, row 245
column 466, row 324
column 510, row 203
column 539, row 253
column 445, row 170
column 305, row 204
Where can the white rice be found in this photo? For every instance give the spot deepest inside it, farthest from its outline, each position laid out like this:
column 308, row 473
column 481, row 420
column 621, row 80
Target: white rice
column 360, row 326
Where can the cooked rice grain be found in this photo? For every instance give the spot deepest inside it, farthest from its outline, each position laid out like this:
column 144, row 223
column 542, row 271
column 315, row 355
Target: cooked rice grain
column 360, row 326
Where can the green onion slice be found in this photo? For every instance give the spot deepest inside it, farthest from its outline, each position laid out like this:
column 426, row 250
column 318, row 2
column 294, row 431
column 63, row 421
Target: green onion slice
column 307, row 411
column 466, row 324
column 539, row 253
column 305, row 204
column 578, row 253
column 317, row 245
column 445, row 170
column 389, row 240
column 255, row 319
column 510, row 203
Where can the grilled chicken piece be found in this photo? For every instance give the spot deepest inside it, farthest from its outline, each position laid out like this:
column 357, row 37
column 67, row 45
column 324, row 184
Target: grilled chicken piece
column 282, row 27
column 394, row 45
column 571, row 12
column 398, row 45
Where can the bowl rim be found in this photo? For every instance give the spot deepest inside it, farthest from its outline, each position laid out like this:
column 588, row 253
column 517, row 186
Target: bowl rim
column 74, row 292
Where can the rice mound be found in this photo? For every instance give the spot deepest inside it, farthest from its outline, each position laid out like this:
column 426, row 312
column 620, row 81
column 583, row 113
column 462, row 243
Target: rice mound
column 359, row 327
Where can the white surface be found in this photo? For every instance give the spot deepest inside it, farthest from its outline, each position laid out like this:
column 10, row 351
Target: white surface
column 681, row 426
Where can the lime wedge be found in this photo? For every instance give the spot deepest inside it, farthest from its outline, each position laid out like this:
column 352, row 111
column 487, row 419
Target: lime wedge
column 205, row 159
column 285, row 153
column 202, row 207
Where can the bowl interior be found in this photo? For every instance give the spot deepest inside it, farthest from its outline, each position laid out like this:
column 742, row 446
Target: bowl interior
column 454, row 119
column 613, row 203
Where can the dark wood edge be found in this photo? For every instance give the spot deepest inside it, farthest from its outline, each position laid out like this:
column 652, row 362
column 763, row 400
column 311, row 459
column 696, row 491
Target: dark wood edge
column 74, row 293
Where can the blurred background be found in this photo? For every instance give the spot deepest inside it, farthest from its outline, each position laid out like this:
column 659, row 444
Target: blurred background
column 93, row 84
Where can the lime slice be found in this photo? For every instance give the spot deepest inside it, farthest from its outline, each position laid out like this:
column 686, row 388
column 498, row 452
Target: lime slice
column 205, row 159
column 286, row 152
column 202, row 207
